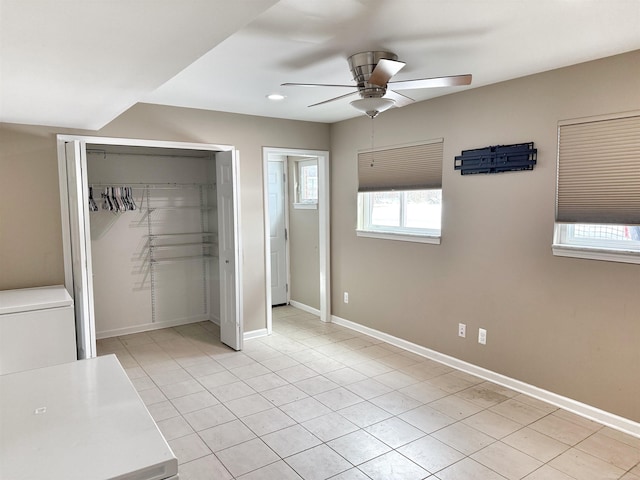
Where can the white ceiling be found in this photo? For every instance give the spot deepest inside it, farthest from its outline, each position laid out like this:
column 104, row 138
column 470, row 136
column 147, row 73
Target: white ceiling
column 81, row 63
column 84, row 64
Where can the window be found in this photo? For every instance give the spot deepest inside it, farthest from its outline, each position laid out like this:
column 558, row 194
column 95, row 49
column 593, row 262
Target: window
column 400, row 192
column 416, row 212
column 598, row 191
column 306, row 184
column 600, row 242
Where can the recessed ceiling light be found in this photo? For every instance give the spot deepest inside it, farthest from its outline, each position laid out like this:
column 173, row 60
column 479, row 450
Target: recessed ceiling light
column 275, row 97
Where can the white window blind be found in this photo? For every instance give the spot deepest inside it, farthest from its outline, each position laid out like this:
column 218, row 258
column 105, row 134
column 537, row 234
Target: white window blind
column 414, row 167
column 599, row 172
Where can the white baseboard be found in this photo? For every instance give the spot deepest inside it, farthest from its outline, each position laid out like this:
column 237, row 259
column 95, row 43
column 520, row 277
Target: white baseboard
column 592, row 413
column 262, row 332
column 146, row 327
column 304, row 308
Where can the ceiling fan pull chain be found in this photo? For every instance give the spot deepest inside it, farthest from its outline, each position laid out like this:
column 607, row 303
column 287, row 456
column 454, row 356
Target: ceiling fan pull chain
column 373, row 152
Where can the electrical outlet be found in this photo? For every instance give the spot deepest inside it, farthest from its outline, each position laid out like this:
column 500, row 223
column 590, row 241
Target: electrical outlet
column 482, row 336
column 346, row 297
column 462, row 330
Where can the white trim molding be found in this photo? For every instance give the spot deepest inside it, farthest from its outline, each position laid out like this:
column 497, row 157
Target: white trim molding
column 403, row 237
column 304, row 308
column 596, row 254
column 147, row 327
column 587, row 411
column 261, row 332
column 305, row 206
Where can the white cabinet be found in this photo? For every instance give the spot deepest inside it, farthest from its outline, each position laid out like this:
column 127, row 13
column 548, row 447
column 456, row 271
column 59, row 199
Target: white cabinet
column 37, row 328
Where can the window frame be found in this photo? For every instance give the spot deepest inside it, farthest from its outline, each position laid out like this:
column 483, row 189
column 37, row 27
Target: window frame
column 564, row 245
column 400, row 173
column 407, row 234
column 299, row 202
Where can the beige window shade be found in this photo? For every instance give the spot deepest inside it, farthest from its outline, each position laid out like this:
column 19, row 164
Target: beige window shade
column 599, row 172
column 416, row 167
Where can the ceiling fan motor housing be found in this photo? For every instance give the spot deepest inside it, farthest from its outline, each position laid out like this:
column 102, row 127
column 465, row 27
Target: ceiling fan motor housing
column 362, row 65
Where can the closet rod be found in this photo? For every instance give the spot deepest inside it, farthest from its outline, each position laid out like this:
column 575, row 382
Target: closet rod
column 154, row 185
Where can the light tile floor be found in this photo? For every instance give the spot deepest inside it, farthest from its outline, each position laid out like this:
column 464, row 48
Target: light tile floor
column 317, row 401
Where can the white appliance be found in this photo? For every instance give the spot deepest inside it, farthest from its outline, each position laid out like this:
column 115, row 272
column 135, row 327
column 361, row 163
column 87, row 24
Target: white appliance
column 37, row 328
column 79, row 421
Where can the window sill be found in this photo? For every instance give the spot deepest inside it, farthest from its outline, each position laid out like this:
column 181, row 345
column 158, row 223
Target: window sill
column 624, row 256
column 403, row 237
column 305, row 206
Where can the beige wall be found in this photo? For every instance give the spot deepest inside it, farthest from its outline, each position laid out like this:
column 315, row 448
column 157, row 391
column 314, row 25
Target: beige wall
column 304, row 238
column 567, row 325
column 30, row 231
column 30, row 235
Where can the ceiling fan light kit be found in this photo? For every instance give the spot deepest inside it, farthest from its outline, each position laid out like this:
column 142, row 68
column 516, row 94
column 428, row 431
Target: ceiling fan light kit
column 372, row 72
column 372, row 106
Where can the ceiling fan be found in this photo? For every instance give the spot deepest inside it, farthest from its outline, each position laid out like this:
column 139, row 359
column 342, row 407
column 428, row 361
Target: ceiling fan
column 372, row 72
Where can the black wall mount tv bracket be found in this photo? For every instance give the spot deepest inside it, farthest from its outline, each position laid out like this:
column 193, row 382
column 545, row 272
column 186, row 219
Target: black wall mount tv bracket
column 496, row 159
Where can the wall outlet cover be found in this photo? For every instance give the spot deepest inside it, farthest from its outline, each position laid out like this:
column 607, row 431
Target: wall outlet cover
column 462, row 330
column 482, row 336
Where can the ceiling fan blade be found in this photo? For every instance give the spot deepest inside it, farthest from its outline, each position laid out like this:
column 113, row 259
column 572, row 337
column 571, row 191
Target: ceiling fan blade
column 333, row 99
column 315, row 85
column 384, row 70
column 399, row 99
column 452, row 81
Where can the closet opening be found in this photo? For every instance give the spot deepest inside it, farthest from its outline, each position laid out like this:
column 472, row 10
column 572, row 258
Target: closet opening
column 150, row 232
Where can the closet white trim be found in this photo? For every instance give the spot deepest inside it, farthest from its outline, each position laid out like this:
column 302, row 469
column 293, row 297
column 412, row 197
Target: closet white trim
column 147, row 327
column 262, row 332
column 68, row 218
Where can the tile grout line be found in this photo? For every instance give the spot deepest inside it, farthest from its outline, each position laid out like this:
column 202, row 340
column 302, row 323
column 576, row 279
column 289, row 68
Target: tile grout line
column 355, row 352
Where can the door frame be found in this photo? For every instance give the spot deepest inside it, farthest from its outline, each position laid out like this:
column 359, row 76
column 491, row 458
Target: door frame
column 324, row 242
column 67, row 219
column 285, row 168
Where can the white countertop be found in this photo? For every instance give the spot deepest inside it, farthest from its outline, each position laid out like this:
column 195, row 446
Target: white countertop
column 38, row 298
column 82, row 420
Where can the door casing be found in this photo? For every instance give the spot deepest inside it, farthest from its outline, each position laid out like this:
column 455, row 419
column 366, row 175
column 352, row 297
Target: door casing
column 324, row 243
column 68, row 219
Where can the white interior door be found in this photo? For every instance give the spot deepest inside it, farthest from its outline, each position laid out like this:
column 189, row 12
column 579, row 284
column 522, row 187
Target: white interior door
column 228, row 250
column 278, row 232
column 76, row 166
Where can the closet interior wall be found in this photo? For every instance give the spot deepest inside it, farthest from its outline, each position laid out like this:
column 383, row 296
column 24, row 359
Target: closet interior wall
column 157, row 265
